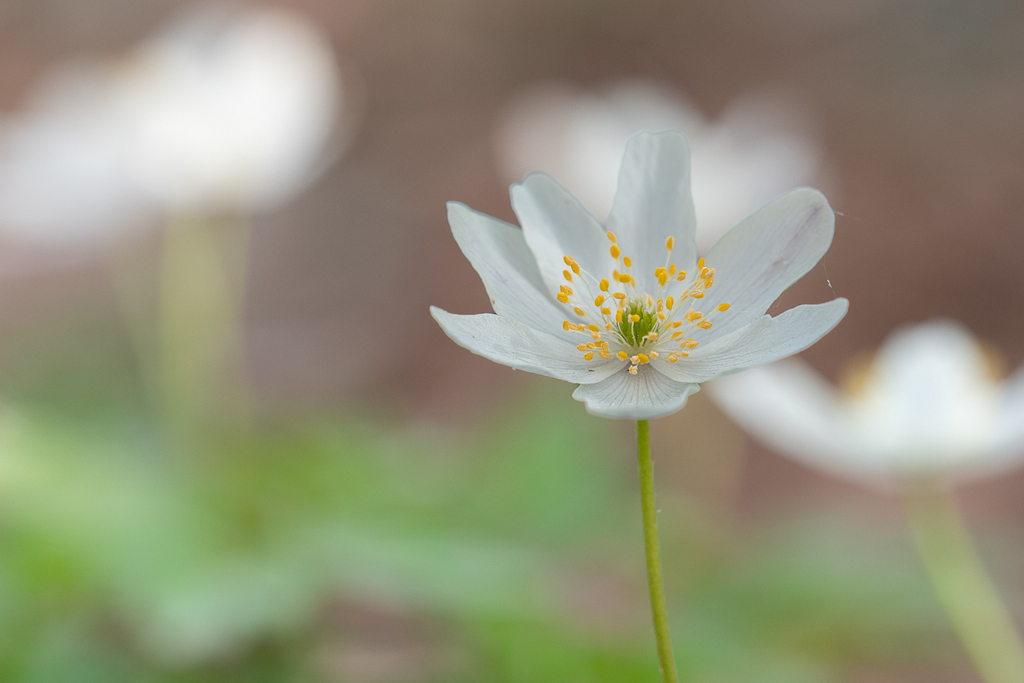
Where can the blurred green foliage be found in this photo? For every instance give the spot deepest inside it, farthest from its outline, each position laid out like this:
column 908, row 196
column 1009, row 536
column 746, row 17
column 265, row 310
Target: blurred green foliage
column 364, row 551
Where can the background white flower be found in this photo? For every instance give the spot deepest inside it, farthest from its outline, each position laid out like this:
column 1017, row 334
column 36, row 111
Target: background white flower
column 661, row 320
column 929, row 404
column 225, row 110
column 760, row 146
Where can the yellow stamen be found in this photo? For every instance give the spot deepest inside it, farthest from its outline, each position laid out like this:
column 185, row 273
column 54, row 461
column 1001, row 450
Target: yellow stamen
column 581, row 347
column 669, row 303
column 580, row 312
column 589, row 355
column 604, row 354
column 622, row 355
column 632, row 369
column 615, row 251
column 618, row 316
column 606, row 311
column 611, row 236
column 624, row 278
column 705, row 324
column 672, row 358
column 700, row 262
column 670, row 242
column 568, row 275
column 723, row 307
column 599, row 300
column 627, row 261
column 642, row 357
column 634, row 318
column 604, row 284
column 562, row 298
column 593, row 328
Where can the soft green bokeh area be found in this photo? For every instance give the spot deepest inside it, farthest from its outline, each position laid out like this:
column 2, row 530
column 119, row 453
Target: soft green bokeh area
column 356, row 550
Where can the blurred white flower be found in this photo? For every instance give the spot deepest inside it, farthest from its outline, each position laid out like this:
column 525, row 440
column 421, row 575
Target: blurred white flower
column 929, row 404
column 761, row 146
column 223, row 111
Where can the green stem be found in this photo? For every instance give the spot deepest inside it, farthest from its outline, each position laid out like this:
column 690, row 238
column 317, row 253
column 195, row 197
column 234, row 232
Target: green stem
column 967, row 594
column 650, row 513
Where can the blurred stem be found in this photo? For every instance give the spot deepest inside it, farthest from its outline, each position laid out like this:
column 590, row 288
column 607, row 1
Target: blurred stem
column 200, row 320
column 654, row 582
column 964, row 588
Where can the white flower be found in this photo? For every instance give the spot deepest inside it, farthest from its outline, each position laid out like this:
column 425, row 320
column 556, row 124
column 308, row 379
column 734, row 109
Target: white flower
column 928, row 405
column 761, row 145
column 223, row 111
column 632, row 315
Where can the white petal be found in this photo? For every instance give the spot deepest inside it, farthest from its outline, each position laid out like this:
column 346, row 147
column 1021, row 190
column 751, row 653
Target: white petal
column 643, row 396
column 556, row 225
column 790, row 408
column 767, row 252
column 506, row 265
column 512, row 343
column 765, row 340
column 653, row 202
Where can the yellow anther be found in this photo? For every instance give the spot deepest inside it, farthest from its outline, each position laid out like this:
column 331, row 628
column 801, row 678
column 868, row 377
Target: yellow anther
column 568, row 260
column 565, row 325
column 723, row 307
column 705, row 324
column 697, row 295
column 580, row 312
column 654, row 354
column 672, row 358
column 593, row 328
column 591, row 345
column 632, row 282
column 684, row 354
column 672, row 270
column 659, row 270
column 615, row 251
column 632, row 369
column 589, row 355
column 669, row 303
column 562, row 297
column 700, row 262
column 662, row 279
column 581, row 347
column 677, row 335
column 604, row 354
column 681, row 277
column 622, row 355
column 606, row 311
column 661, row 315
column 619, row 295
column 608, row 327
column 707, row 283
column 634, row 359
column 624, row 278
column 652, row 335
column 634, row 318
column 611, row 236
column 648, row 300
column 595, row 335
column 618, row 316
column 670, row 242
column 642, row 357
column 568, row 275
column 690, row 344
column 603, row 284
column 575, row 267
column 693, row 315
column 677, row 323
column 599, row 300
column 627, row 261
